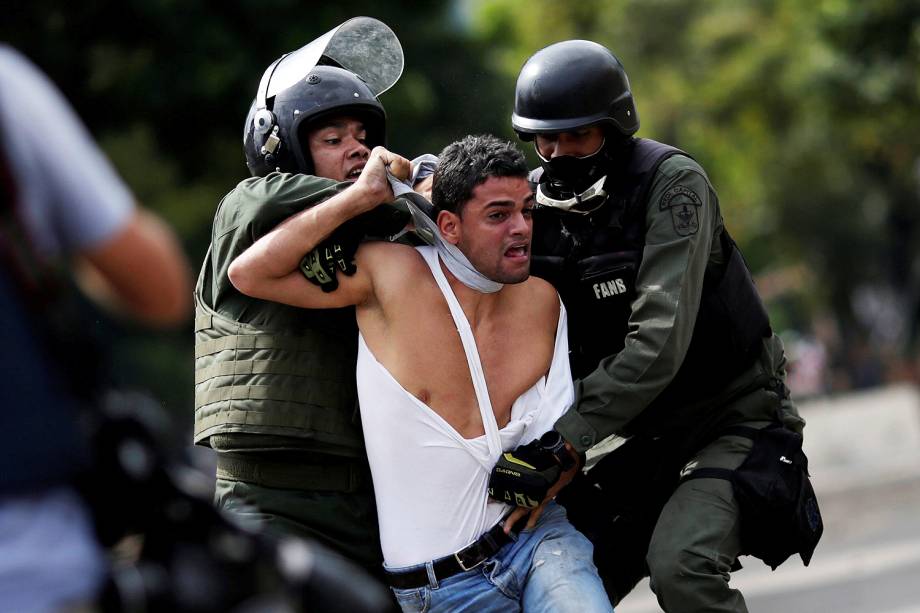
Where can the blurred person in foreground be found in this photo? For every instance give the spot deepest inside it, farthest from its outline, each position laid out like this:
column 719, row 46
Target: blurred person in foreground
column 65, row 214
column 461, row 357
column 275, row 385
column 670, row 343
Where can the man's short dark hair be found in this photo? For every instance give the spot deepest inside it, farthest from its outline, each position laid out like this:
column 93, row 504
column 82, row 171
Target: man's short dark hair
column 468, row 162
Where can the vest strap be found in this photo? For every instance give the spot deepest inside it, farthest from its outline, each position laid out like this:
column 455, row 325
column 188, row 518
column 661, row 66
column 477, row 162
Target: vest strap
column 255, row 341
column 202, row 321
column 345, row 477
column 254, row 367
column 308, row 394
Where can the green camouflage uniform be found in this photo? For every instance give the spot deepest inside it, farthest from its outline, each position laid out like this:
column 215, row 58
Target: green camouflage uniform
column 275, row 391
column 695, row 541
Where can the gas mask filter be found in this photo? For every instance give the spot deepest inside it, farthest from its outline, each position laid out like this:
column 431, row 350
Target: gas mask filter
column 574, row 184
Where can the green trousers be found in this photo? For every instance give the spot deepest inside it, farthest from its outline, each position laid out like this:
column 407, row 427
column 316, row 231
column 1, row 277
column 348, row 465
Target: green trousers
column 345, row 522
column 685, row 539
column 696, row 540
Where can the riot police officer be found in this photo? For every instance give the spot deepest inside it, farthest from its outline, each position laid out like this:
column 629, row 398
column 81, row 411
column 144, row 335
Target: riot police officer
column 275, row 385
column 669, row 340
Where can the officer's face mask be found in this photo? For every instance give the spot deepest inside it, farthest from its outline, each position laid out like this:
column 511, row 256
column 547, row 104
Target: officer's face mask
column 573, row 183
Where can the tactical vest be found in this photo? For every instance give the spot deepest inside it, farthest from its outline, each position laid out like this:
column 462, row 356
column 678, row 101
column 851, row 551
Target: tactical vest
column 593, row 261
column 294, row 377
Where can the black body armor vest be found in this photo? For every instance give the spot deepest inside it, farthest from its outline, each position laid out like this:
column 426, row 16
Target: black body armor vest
column 593, row 260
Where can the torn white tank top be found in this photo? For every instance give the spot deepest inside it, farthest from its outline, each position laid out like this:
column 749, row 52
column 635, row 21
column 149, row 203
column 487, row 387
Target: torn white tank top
column 431, row 484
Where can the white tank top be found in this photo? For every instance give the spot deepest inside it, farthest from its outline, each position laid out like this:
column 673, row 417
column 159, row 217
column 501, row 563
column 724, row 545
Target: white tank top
column 431, row 484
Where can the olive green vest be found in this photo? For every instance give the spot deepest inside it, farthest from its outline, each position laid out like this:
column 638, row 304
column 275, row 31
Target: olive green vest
column 274, row 380
column 263, row 368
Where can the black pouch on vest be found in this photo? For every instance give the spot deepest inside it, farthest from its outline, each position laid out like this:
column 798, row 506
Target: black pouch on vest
column 779, row 510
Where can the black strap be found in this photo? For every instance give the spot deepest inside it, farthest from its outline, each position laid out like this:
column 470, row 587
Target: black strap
column 647, row 157
column 709, row 473
column 745, row 431
column 721, row 473
column 466, row 559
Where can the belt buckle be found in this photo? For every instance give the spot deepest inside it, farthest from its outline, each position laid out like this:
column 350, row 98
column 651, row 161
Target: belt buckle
column 464, row 566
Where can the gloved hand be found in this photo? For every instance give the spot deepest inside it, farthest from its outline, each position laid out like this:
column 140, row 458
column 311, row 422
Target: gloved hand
column 522, row 477
column 337, row 252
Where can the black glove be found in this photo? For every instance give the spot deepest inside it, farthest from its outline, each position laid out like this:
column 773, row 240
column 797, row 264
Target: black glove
column 337, row 253
column 523, row 477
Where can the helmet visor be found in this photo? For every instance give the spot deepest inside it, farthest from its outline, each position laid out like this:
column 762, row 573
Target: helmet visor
column 362, row 45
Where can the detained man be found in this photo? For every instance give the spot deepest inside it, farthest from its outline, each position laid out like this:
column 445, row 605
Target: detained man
column 461, row 357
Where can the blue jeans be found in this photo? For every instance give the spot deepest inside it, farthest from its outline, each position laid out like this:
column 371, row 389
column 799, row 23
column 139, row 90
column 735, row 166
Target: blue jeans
column 548, row 568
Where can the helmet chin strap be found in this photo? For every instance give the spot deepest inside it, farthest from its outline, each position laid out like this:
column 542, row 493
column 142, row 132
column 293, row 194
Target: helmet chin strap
column 584, row 203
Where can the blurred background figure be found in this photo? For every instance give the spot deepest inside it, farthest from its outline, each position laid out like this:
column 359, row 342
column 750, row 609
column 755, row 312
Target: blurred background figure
column 65, row 216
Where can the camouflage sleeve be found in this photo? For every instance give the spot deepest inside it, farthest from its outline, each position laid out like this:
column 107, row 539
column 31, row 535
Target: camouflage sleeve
column 254, row 207
column 268, row 202
column 682, row 219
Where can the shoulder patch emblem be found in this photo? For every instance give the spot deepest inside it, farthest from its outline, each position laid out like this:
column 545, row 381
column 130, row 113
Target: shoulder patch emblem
column 683, row 203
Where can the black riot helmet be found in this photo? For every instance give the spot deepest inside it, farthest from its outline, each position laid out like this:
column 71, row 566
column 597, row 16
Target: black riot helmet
column 340, row 73
column 275, row 134
column 572, row 84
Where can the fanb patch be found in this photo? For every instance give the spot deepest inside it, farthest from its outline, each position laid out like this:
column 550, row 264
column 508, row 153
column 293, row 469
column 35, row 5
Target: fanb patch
column 683, row 203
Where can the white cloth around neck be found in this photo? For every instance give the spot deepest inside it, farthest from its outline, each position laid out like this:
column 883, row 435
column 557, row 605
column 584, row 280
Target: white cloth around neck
column 456, row 262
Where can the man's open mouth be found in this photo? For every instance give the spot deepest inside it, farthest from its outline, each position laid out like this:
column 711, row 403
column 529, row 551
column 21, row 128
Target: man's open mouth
column 517, row 251
column 354, row 174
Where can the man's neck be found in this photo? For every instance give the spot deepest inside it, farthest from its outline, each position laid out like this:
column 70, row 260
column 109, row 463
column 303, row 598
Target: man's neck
column 476, row 305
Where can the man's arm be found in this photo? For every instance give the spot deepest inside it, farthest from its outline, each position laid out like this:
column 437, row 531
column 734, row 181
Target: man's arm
column 127, row 258
column 669, row 286
column 335, row 254
column 140, row 271
column 269, row 269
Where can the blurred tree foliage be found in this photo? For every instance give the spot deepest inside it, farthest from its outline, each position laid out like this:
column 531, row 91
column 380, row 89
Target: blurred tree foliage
column 804, row 114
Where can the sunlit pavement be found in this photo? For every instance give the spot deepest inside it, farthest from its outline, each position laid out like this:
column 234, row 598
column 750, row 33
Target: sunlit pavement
column 868, row 560
column 864, row 453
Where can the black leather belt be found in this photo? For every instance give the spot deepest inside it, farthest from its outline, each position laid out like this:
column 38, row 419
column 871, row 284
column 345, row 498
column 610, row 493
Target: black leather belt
column 466, row 559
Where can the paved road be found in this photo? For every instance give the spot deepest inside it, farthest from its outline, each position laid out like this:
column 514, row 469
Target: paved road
column 868, row 560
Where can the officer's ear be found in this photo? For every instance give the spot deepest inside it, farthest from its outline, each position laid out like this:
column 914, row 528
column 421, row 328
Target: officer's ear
column 449, row 225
